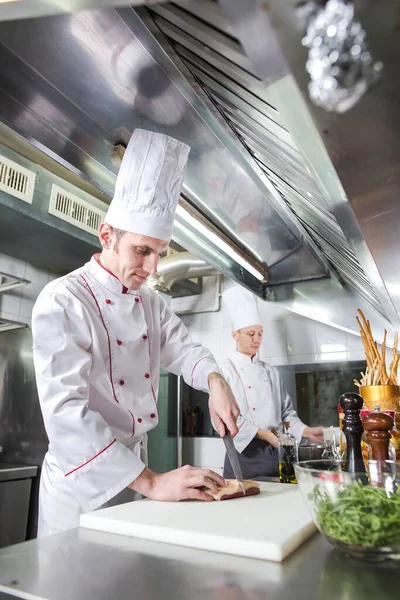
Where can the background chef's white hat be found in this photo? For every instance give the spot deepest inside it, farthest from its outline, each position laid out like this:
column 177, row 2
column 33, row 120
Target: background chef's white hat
column 148, row 185
column 242, row 307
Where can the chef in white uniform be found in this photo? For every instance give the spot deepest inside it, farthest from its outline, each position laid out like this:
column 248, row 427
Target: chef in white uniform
column 100, row 338
column 264, row 403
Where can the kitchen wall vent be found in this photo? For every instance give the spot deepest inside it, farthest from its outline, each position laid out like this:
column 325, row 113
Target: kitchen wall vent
column 16, row 180
column 74, row 210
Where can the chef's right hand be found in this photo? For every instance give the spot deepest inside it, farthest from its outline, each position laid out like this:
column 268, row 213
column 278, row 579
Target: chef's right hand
column 268, row 436
column 179, row 484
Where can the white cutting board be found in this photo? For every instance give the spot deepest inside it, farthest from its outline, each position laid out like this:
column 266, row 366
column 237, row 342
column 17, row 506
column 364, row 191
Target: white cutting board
column 270, row 525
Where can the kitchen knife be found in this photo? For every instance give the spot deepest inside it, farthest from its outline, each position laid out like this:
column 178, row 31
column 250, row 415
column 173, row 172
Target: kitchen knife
column 232, row 455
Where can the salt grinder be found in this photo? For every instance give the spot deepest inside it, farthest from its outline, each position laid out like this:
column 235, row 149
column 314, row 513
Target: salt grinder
column 377, row 427
column 352, row 404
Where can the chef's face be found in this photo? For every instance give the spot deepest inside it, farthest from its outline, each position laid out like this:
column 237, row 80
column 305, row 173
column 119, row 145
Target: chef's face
column 129, row 256
column 248, row 339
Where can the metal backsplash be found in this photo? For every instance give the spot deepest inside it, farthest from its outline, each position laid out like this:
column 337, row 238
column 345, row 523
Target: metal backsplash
column 22, row 435
column 23, row 438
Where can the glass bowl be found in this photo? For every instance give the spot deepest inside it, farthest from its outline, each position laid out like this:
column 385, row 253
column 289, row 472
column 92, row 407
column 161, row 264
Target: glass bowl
column 358, row 513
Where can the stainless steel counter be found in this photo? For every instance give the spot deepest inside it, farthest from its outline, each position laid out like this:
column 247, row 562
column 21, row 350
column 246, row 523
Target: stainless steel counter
column 82, row 564
column 15, row 500
column 10, row 472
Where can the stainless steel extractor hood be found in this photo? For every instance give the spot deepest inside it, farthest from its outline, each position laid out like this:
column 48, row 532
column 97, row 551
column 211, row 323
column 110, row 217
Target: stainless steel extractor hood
column 256, row 205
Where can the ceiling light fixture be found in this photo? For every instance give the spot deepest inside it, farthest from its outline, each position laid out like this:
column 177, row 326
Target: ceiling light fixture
column 214, row 239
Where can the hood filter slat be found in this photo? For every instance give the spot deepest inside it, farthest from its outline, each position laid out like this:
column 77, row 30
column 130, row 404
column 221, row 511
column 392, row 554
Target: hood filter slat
column 215, row 59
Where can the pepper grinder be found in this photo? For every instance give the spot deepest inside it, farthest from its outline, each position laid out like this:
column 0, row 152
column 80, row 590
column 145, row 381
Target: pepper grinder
column 377, row 427
column 352, row 404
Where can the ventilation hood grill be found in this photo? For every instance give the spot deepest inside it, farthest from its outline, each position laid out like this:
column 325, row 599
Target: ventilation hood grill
column 57, row 223
column 206, row 45
column 16, row 181
column 74, row 210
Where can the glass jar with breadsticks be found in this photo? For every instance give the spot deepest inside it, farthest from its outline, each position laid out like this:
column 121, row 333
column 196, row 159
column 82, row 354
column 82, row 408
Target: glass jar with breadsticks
column 379, row 386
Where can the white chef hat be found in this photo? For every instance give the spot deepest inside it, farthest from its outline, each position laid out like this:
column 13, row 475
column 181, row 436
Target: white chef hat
column 242, row 307
column 148, row 185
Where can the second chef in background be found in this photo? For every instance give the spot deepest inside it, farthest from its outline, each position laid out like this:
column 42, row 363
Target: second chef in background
column 257, row 386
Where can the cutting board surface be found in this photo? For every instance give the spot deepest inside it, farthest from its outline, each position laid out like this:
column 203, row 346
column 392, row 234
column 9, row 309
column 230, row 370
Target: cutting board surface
column 270, row 525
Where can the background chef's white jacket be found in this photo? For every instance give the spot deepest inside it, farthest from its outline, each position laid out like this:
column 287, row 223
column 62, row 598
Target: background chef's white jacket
column 262, row 398
column 97, row 351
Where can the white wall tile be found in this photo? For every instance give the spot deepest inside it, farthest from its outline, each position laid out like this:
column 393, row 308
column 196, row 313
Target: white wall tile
column 333, row 356
column 176, row 304
column 9, row 316
column 354, row 343
column 213, row 341
column 12, row 266
column 226, row 318
column 28, row 298
column 36, row 276
column 278, row 360
column 10, row 302
column 301, row 359
column 300, row 336
column 229, row 344
column 212, row 320
column 197, row 337
column 329, row 339
column 357, row 355
column 266, row 358
column 192, row 322
column 274, row 339
column 226, row 284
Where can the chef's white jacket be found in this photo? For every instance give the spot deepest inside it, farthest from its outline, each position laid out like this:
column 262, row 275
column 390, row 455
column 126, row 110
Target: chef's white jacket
column 262, row 398
column 97, row 351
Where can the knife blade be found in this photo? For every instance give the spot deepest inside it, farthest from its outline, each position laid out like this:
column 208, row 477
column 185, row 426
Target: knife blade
column 232, row 455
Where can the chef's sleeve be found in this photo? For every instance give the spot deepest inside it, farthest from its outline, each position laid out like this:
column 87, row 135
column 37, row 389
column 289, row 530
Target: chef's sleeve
column 94, row 463
column 288, row 413
column 180, row 355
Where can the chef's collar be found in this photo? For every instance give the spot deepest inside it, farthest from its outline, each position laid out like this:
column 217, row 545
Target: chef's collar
column 106, row 278
column 244, row 359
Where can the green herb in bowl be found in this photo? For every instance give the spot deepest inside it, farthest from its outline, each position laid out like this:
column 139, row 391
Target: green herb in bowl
column 359, row 514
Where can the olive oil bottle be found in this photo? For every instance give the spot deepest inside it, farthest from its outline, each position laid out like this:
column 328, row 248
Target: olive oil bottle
column 287, row 455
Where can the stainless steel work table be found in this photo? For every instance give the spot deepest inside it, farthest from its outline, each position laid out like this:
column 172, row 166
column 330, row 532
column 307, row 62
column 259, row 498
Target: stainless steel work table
column 89, row 565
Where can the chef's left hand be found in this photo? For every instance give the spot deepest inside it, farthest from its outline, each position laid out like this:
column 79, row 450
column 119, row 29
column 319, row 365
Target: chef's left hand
column 222, row 404
column 314, row 434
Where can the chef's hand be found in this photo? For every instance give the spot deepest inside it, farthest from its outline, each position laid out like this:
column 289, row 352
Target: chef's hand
column 224, row 409
column 268, row 436
column 314, row 434
column 179, row 484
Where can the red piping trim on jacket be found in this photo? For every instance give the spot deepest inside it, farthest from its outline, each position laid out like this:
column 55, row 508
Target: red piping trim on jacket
column 108, row 337
column 90, row 459
column 124, row 289
column 151, row 385
column 204, row 358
